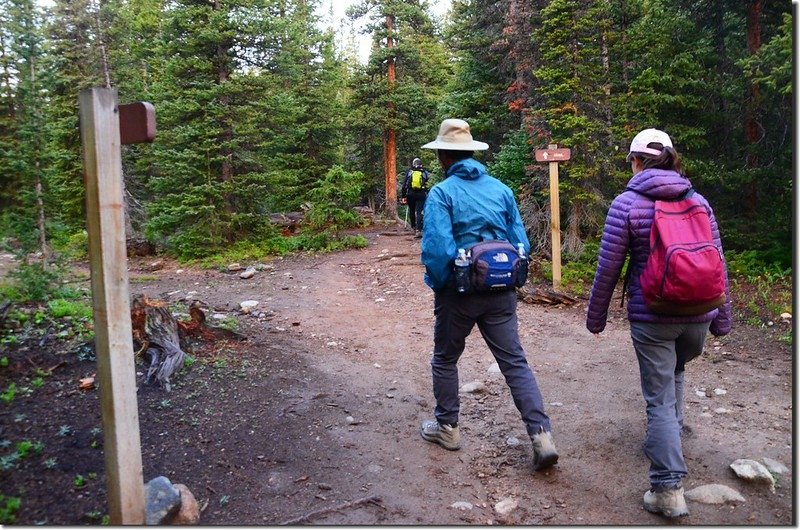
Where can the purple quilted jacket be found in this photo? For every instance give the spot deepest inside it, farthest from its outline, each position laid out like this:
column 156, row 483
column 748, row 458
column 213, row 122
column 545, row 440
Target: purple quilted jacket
column 628, row 228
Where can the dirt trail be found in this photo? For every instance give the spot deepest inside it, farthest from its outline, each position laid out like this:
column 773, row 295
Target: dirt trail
column 350, row 335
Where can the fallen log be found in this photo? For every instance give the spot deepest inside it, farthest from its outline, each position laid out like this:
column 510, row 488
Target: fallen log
column 542, row 296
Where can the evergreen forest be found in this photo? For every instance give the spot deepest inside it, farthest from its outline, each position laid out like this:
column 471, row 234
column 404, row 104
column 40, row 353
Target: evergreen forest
column 264, row 107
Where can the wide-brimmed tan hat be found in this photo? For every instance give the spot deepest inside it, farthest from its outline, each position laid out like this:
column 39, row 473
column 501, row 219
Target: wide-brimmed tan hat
column 454, row 135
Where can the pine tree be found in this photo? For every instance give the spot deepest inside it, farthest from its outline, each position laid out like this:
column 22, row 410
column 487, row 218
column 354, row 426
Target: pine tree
column 75, row 64
column 24, row 157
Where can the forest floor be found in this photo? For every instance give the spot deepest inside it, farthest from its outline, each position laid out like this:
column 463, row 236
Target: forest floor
column 314, row 419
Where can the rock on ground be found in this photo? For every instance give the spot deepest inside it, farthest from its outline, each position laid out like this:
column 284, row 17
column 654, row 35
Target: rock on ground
column 189, row 512
column 774, row 467
column 161, row 500
column 714, row 494
column 753, row 471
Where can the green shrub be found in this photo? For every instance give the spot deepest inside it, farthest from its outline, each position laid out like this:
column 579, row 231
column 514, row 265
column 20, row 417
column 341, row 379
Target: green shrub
column 61, row 308
column 8, row 509
column 333, row 199
column 33, row 283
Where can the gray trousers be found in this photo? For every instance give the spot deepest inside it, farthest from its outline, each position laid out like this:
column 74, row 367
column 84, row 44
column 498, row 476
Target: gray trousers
column 663, row 351
column 496, row 316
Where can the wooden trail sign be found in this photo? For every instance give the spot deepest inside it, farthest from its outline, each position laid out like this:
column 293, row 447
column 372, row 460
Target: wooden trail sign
column 553, row 155
column 116, row 373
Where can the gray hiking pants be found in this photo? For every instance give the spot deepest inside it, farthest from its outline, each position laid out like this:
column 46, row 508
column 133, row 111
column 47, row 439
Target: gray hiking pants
column 663, row 351
column 496, row 316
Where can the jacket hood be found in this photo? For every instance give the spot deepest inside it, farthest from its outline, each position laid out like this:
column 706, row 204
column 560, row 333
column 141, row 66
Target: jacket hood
column 659, row 183
column 467, row 169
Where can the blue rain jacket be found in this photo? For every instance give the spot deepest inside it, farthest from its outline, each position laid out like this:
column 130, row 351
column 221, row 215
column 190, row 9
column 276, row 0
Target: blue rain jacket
column 467, row 207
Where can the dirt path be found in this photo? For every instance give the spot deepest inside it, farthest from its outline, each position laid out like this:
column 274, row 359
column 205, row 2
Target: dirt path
column 337, row 379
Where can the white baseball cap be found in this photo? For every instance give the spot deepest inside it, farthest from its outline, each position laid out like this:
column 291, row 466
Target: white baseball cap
column 454, row 135
column 648, row 136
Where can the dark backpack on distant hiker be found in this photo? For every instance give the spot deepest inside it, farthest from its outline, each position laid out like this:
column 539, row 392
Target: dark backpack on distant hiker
column 684, row 273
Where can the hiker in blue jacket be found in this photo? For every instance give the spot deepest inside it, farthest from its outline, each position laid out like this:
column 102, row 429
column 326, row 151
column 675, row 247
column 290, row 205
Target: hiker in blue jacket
column 663, row 344
column 467, row 207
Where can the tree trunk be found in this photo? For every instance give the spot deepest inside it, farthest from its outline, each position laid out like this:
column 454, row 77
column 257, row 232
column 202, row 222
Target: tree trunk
column 390, row 138
column 752, row 127
column 226, row 168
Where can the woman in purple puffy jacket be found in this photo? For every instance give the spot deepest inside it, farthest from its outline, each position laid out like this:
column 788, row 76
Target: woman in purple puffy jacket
column 663, row 344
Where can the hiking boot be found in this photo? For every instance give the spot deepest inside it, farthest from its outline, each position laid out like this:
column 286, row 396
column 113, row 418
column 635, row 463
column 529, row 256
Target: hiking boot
column 544, row 451
column 666, row 502
column 445, row 435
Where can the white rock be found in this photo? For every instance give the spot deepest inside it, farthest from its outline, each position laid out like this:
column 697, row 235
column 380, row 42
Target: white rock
column 720, row 391
column 248, row 273
column 556, row 404
column 721, row 410
column 332, row 343
column 786, row 316
column 247, row 305
column 351, row 420
column 494, row 369
column 473, row 387
column 774, row 467
column 219, row 316
column 461, row 505
column 700, row 392
column 714, row 494
column 380, row 299
column 512, row 441
column 505, row 506
column 233, row 267
column 753, row 471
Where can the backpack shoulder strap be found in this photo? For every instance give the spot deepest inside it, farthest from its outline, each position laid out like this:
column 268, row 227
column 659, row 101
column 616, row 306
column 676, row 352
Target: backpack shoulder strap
column 685, row 195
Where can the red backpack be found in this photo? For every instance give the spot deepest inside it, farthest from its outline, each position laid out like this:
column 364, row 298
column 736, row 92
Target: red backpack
column 684, row 274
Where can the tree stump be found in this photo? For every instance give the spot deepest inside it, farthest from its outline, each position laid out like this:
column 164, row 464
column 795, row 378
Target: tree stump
column 156, row 330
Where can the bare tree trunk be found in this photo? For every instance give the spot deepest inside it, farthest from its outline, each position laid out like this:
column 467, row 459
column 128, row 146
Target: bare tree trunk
column 607, row 85
column 390, row 149
column 41, row 218
column 102, row 45
column 752, row 127
column 38, row 186
column 572, row 239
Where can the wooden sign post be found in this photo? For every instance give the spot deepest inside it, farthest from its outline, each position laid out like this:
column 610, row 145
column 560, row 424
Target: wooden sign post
column 116, row 373
column 552, row 155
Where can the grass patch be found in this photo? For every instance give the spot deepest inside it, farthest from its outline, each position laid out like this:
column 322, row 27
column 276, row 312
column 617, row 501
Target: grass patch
column 61, row 308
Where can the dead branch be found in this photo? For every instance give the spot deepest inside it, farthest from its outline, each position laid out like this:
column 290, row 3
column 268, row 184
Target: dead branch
column 367, row 500
column 541, row 296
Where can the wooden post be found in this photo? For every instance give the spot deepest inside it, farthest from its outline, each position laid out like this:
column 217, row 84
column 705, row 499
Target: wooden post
column 100, row 136
column 555, row 222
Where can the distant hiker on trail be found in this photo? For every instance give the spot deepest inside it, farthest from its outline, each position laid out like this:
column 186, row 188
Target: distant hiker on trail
column 468, row 207
column 669, row 315
column 414, row 191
